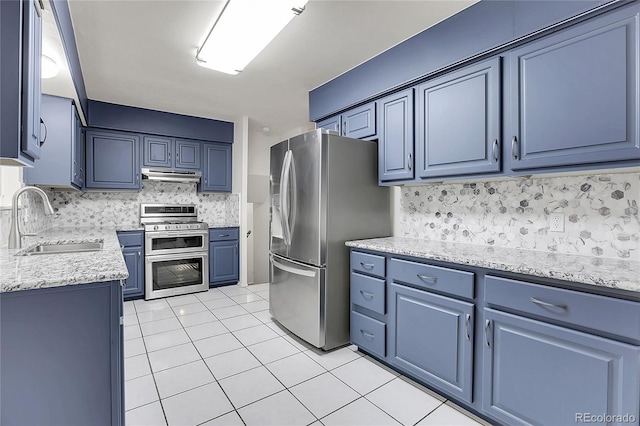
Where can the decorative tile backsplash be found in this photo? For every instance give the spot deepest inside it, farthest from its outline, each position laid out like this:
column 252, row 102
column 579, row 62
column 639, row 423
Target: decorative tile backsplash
column 121, row 209
column 601, row 213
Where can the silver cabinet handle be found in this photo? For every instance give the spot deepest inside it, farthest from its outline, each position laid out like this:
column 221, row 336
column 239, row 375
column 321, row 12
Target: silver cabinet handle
column 169, row 157
column 410, row 161
column 428, row 280
column 487, row 324
column 514, row 148
column 496, row 145
column 344, row 129
column 122, row 283
column 121, row 247
column 367, row 266
column 367, row 335
column 223, row 235
column 547, row 304
column 366, row 295
column 137, row 177
column 467, row 321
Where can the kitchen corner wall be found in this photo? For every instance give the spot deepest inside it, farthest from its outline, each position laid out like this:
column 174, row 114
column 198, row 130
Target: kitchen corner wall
column 601, row 213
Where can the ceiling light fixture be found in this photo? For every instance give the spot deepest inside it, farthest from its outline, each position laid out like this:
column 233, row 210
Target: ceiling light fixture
column 242, row 30
column 49, row 67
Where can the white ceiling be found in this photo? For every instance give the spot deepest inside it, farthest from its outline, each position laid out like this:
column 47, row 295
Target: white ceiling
column 142, row 53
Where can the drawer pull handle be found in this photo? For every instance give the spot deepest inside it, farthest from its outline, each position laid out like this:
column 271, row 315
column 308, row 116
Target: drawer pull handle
column 487, row 324
column 548, row 305
column 428, row 280
column 223, row 235
column 467, row 321
column 367, row 335
column 367, row 266
column 366, row 295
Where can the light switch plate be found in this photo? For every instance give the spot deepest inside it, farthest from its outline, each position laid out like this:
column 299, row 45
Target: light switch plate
column 556, row 222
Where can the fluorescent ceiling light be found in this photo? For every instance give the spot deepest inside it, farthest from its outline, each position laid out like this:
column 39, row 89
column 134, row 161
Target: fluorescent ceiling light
column 242, row 30
column 49, row 67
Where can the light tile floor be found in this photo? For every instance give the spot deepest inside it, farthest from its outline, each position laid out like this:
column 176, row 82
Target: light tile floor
column 217, row 358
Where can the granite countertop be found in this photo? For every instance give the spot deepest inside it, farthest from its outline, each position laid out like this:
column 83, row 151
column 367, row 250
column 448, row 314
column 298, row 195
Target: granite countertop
column 61, row 269
column 604, row 272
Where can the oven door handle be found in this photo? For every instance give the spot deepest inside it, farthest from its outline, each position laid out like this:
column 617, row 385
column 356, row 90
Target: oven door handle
column 176, row 234
column 177, row 256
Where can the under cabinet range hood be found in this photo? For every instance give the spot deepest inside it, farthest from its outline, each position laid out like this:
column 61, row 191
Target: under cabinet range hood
column 176, row 176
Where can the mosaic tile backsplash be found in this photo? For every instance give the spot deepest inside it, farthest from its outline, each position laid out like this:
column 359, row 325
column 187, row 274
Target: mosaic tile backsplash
column 601, row 214
column 121, row 209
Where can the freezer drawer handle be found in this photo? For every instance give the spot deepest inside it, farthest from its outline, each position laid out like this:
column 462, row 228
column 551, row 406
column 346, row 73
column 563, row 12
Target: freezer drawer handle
column 426, row 279
column 293, row 270
column 367, row 335
column 366, row 295
column 367, row 266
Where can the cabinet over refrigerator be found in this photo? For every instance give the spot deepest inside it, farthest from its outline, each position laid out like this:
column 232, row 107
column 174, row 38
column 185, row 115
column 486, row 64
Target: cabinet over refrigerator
column 323, row 192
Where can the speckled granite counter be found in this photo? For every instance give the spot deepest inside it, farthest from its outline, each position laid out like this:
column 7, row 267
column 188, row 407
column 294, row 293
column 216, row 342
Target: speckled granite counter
column 223, row 225
column 604, row 272
column 60, row 269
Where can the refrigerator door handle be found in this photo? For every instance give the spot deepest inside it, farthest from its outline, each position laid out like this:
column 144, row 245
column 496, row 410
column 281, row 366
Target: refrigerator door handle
column 293, row 269
column 284, row 197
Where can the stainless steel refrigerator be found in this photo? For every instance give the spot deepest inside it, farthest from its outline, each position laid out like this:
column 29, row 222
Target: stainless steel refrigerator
column 324, row 191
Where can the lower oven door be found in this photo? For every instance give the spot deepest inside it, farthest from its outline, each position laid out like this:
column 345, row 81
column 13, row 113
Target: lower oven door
column 170, row 275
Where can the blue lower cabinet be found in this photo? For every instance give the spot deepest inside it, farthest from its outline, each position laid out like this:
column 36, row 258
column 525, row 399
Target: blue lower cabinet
column 62, row 356
column 538, row 373
column 431, row 337
column 224, row 256
column 133, row 253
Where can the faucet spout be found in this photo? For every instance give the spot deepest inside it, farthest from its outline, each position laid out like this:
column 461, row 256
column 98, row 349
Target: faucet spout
column 15, row 237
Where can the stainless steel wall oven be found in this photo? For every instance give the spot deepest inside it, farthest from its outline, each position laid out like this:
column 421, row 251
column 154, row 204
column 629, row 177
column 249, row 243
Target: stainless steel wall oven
column 176, row 250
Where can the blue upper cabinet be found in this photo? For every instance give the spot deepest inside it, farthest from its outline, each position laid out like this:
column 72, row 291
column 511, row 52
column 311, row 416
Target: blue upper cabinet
column 187, row 154
column 31, row 77
column 113, row 160
column 170, row 153
column 216, row 167
column 62, row 162
column 21, row 46
column 358, row 123
column 458, row 122
column 157, row 151
column 395, row 136
column 574, row 95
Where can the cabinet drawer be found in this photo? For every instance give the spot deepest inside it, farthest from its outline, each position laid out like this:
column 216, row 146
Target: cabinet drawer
column 445, row 280
column 223, row 234
column 131, row 238
column 368, row 263
column 368, row 333
column 606, row 314
column 367, row 292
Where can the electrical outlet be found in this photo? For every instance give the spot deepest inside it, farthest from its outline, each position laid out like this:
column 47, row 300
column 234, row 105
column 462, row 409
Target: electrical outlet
column 556, row 222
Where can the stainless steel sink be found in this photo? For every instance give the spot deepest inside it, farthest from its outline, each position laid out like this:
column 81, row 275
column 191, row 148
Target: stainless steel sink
column 63, row 248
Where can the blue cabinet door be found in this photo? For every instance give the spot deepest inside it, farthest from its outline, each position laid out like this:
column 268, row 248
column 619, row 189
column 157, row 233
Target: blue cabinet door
column 134, row 285
column 187, row 154
column 574, row 95
column 157, row 151
column 31, row 80
column 459, row 123
column 216, row 173
column 537, row 373
column 331, row 123
column 431, row 337
column 395, row 136
column 113, row 160
column 360, row 122
column 224, row 262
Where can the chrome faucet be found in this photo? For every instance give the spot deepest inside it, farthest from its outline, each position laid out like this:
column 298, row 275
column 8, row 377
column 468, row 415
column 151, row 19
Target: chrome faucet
column 15, row 237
